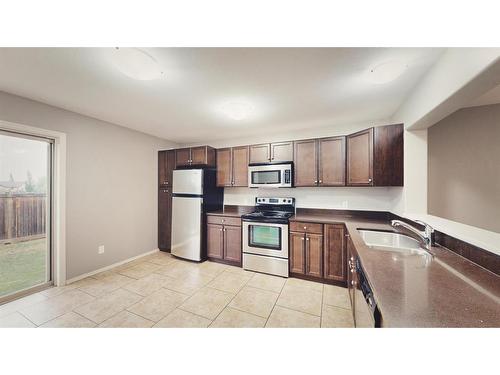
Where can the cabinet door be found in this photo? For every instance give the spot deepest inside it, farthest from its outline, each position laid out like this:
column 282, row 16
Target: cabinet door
column 215, row 241
column 331, row 164
column 240, row 166
column 199, row 155
column 305, row 163
column 314, row 255
column 164, row 219
column 182, row 157
column 335, row 262
column 224, row 167
column 281, row 151
column 162, row 168
column 169, row 167
column 360, row 158
column 260, row 153
column 297, row 253
column 232, row 244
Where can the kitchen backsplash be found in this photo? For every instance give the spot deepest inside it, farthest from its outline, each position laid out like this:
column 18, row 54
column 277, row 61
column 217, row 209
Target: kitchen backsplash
column 371, row 198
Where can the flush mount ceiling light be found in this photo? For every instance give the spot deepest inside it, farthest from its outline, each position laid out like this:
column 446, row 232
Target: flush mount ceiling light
column 236, row 109
column 386, row 72
column 136, row 63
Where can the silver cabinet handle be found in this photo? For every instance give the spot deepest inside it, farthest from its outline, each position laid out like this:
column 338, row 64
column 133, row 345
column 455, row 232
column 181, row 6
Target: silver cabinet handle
column 320, row 181
column 302, row 239
column 305, row 228
column 220, row 230
column 315, row 181
column 307, row 238
column 369, row 180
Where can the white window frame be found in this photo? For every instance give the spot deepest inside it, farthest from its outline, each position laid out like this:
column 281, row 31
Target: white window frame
column 58, row 193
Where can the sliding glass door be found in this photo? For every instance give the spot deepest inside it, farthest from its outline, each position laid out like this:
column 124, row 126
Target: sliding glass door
column 25, row 214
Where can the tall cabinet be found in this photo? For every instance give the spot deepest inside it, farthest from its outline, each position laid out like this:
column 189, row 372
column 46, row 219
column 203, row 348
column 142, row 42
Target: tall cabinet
column 166, row 165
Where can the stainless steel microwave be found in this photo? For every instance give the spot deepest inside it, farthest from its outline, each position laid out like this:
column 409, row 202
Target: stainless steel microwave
column 270, row 175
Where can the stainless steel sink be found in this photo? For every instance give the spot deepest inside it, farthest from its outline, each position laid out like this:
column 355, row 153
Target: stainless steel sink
column 398, row 242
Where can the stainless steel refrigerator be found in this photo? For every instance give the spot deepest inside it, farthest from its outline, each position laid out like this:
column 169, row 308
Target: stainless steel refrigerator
column 194, row 193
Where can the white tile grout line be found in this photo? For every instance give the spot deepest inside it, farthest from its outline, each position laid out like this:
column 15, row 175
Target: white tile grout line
column 275, row 302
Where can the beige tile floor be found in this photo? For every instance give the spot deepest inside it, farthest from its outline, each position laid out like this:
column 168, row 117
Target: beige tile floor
column 162, row 291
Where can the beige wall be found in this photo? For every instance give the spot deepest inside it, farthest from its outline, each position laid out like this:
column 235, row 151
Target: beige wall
column 464, row 167
column 111, row 191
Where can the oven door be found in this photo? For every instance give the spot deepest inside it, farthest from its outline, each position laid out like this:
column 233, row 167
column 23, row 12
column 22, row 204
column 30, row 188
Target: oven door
column 265, row 239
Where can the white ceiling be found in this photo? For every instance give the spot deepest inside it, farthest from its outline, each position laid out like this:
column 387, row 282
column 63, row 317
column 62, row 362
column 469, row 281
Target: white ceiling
column 288, row 88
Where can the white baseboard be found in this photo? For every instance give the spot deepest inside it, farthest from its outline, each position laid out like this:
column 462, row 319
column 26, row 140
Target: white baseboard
column 88, row 274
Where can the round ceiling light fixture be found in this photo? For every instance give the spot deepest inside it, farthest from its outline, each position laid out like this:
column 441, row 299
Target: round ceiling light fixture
column 387, row 71
column 136, row 63
column 236, row 109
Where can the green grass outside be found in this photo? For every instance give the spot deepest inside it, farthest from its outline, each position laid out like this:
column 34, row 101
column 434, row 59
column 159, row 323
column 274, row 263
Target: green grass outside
column 22, row 265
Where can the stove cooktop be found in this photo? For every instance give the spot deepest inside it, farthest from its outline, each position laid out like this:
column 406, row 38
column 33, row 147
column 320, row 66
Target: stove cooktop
column 272, row 210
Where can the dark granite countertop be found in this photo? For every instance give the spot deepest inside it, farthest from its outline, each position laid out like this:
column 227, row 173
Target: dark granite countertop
column 232, row 211
column 445, row 290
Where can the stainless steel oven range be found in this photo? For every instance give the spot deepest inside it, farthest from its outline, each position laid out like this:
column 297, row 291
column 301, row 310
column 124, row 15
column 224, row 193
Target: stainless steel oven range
column 265, row 236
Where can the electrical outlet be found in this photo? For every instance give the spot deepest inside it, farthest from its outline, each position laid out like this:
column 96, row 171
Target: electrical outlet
column 100, row 249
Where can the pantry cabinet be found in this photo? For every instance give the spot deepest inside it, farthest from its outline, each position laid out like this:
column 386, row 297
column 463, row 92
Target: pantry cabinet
column 166, row 165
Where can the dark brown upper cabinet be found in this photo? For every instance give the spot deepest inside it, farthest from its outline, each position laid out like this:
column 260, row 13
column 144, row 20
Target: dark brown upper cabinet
column 166, row 165
column 320, row 162
column 232, row 166
column 276, row 152
column 306, row 163
column 331, row 161
column 195, row 156
column 375, row 157
column 281, row 152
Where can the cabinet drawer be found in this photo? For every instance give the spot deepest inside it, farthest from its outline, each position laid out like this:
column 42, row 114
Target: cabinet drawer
column 299, row 226
column 224, row 220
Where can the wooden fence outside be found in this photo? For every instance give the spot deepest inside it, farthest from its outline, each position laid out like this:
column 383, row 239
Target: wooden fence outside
column 22, row 216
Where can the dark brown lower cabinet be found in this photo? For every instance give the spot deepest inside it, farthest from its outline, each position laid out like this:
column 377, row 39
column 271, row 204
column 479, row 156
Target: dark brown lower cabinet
column 314, row 255
column 224, row 243
column 335, row 255
column 297, row 253
column 232, row 244
column 320, row 255
column 164, row 219
column 215, row 241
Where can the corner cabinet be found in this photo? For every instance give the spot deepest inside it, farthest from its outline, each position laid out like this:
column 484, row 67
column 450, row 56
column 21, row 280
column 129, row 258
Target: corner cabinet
column 224, row 239
column 195, row 156
column 375, row 157
column 232, row 166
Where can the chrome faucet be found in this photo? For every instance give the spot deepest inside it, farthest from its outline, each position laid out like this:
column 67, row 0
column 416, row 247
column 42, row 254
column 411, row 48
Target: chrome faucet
column 425, row 235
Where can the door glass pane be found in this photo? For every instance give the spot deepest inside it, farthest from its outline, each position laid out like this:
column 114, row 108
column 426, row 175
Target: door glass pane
column 266, row 177
column 264, row 236
column 24, row 208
